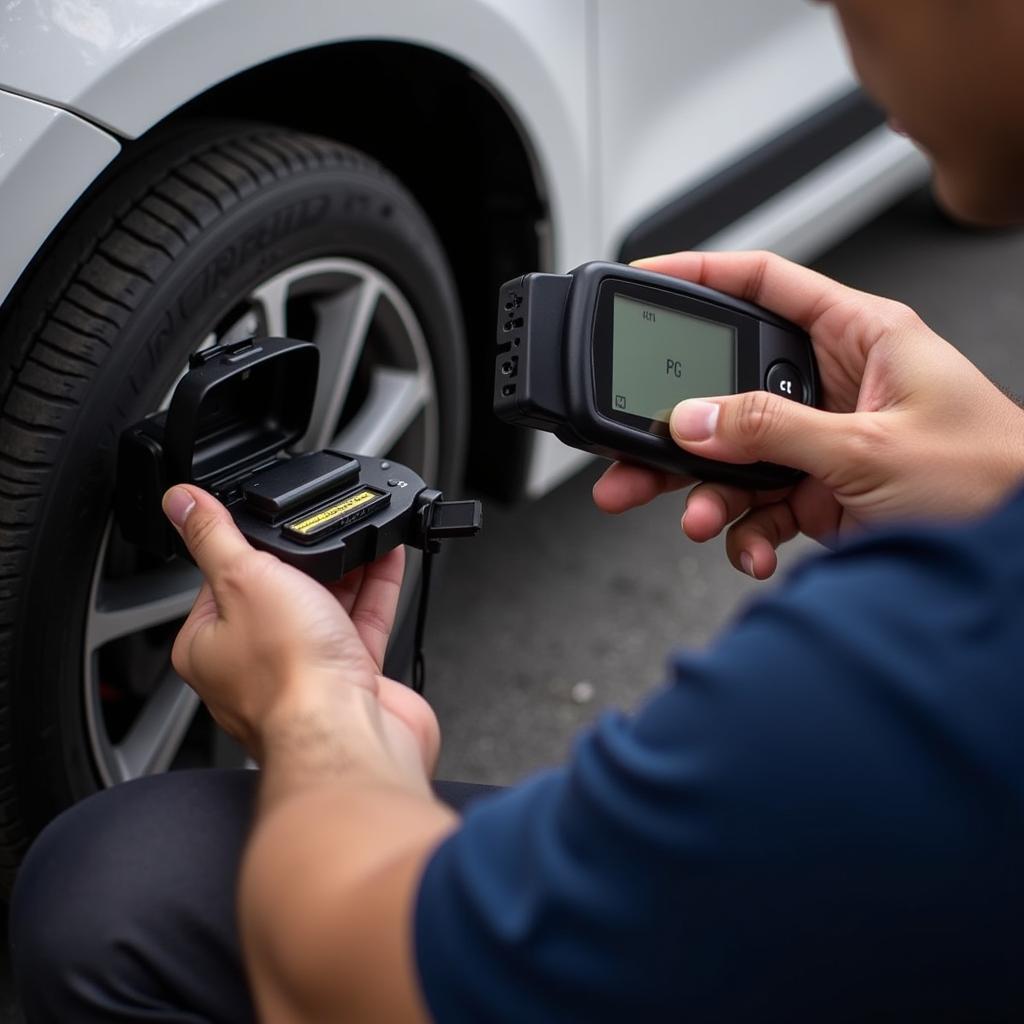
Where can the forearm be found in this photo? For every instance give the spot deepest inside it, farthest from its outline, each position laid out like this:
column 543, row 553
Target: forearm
column 345, row 822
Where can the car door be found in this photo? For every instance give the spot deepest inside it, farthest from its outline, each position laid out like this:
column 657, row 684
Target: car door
column 685, row 90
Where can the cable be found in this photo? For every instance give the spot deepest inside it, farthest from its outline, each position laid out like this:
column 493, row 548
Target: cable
column 418, row 661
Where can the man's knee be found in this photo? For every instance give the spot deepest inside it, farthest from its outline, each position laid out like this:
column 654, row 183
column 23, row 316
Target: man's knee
column 118, row 892
column 56, row 925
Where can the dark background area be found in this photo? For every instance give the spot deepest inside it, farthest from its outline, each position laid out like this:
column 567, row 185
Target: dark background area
column 556, row 611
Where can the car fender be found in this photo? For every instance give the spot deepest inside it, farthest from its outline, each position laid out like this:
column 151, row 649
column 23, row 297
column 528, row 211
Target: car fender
column 48, row 158
column 127, row 64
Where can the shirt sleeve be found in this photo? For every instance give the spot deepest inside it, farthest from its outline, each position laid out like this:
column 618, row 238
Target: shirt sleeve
column 819, row 818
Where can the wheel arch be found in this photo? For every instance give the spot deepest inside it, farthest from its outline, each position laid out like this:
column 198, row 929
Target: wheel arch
column 458, row 147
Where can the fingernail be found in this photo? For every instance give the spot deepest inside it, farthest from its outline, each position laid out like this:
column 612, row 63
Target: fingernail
column 694, row 420
column 747, row 561
column 178, row 503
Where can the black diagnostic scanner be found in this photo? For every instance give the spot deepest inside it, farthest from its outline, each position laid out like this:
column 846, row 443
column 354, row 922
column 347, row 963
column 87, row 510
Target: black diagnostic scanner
column 600, row 356
column 232, row 418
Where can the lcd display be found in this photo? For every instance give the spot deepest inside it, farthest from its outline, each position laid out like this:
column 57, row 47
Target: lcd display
column 660, row 357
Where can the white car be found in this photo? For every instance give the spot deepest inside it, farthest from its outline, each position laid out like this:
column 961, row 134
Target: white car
column 363, row 174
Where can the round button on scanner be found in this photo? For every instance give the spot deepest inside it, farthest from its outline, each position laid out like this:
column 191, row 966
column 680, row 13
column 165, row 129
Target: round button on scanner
column 786, row 380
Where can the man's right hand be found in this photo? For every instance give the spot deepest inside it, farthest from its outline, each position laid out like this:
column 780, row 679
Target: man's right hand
column 910, row 428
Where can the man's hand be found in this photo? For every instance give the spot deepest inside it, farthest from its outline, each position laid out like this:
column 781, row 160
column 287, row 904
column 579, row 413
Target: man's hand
column 910, row 427
column 268, row 648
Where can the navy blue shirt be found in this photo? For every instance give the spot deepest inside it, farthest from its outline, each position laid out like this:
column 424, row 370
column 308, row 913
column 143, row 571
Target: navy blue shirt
column 820, row 818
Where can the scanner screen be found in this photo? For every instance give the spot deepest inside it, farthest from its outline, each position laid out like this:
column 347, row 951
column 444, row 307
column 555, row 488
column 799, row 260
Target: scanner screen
column 660, row 357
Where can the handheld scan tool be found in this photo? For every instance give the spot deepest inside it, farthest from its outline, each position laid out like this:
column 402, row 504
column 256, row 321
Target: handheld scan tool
column 600, row 356
column 231, row 420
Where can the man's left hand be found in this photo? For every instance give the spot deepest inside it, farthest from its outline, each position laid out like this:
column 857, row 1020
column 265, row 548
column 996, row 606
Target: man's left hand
column 265, row 645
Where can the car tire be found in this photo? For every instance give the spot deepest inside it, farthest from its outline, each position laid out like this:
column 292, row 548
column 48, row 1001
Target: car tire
column 204, row 232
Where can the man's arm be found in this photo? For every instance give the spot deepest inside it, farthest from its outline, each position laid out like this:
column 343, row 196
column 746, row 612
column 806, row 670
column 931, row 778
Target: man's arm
column 330, row 875
column 820, row 818
column 346, row 816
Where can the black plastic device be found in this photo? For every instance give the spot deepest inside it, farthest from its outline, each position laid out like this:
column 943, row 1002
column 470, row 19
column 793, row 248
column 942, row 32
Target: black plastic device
column 231, row 420
column 599, row 357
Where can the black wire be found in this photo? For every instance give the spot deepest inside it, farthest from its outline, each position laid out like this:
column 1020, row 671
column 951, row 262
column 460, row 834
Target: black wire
column 418, row 663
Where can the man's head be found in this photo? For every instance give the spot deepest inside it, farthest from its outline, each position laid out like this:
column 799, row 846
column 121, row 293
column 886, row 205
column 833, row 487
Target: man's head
column 951, row 74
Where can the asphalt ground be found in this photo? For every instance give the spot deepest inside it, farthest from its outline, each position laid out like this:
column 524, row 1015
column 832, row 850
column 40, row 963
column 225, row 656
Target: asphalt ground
column 556, row 611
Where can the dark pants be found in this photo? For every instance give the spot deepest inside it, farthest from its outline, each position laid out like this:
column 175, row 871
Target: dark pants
column 124, row 909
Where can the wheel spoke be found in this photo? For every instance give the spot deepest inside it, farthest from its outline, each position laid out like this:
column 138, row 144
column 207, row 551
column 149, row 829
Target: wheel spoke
column 343, row 322
column 139, row 602
column 396, row 398
column 272, row 299
column 156, row 734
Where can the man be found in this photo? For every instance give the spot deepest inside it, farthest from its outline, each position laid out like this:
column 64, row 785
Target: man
column 819, row 818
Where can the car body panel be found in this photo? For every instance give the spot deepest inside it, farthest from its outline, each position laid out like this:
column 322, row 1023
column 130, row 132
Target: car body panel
column 681, row 97
column 120, row 63
column 38, row 181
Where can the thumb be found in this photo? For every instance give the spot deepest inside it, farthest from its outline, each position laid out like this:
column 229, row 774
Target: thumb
column 759, row 426
column 207, row 529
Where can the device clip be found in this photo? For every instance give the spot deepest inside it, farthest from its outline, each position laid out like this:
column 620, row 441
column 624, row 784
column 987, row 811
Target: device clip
column 453, row 519
column 439, row 519
column 233, row 350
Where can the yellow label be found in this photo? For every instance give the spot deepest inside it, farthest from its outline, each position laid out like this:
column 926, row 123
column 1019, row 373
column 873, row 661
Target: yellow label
column 328, row 515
